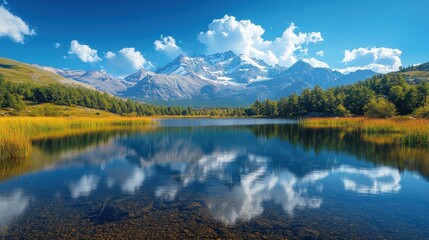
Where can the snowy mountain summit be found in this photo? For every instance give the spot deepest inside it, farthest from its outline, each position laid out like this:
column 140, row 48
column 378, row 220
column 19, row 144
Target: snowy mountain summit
column 221, row 79
column 225, row 66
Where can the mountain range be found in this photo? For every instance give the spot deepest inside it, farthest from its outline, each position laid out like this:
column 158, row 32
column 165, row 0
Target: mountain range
column 222, row 79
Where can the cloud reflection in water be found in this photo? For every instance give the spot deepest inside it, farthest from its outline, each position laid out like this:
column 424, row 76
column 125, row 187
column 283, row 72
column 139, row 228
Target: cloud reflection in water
column 240, row 172
column 383, row 180
column 11, row 206
column 84, row 186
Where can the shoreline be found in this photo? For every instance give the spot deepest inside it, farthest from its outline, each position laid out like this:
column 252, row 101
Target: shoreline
column 16, row 133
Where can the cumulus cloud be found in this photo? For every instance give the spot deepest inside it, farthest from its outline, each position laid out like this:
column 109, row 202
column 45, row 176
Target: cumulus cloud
column 303, row 51
column 134, row 57
column 13, row 26
column 57, row 45
column 83, row 52
column 126, row 61
column 381, row 60
column 109, row 55
column 245, row 37
column 168, row 46
column 320, row 53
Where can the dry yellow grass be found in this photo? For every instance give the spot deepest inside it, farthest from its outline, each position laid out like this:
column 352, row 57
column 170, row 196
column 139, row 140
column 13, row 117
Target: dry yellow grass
column 411, row 132
column 52, row 110
column 14, row 71
column 16, row 133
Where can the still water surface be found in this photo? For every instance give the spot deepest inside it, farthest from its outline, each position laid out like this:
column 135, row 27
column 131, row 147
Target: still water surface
column 208, row 178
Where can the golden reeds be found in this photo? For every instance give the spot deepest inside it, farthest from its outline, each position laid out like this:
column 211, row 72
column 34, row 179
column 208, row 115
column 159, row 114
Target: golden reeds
column 406, row 131
column 16, row 133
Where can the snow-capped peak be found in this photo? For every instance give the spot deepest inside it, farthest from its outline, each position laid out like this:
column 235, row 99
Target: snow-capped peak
column 226, row 66
column 248, row 60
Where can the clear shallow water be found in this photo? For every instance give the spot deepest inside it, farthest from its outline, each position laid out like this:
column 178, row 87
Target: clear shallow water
column 230, row 178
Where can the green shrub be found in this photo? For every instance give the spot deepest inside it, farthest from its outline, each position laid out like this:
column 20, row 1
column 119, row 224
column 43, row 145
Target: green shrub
column 422, row 112
column 341, row 111
column 379, row 108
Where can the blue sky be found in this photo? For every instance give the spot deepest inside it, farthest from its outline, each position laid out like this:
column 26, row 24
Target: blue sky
column 347, row 35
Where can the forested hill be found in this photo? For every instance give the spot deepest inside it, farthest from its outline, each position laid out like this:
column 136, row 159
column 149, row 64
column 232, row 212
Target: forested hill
column 399, row 93
column 416, row 74
column 22, row 85
column 17, row 97
column 418, row 67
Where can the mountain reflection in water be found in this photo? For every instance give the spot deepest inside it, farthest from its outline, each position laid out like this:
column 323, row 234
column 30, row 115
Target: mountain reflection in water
column 238, row 169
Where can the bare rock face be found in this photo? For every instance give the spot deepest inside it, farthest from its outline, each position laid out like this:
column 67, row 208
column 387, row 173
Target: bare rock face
column 101, row 80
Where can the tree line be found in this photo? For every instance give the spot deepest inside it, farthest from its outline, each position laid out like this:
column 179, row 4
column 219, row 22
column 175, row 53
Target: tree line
column 18, row 96
column 379, row 96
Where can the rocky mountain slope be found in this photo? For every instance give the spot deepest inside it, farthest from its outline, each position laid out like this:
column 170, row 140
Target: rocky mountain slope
column 222, row 79
column 227, row 79
column 98, row 79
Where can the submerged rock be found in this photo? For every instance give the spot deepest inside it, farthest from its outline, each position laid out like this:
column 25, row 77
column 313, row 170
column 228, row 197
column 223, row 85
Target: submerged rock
column 108, row 214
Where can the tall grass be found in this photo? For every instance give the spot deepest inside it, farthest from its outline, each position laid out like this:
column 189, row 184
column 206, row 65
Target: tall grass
column 405, row 131
column 16, row 133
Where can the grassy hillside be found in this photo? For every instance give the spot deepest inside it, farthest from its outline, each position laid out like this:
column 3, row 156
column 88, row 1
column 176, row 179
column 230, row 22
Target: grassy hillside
column 415, row 77
column 52, row 110
column 13, row 71
column 26, row 90
column 415, row 74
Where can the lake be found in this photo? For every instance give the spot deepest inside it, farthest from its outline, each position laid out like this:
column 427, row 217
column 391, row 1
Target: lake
column 216, row 178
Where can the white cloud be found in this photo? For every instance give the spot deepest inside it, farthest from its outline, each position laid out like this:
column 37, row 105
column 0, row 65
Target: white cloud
column 126, row 61
column 245, row 37
column 57, row 45
column 320, row 53
column 83, row 52
column 350, row 69
column 13, row 26
column 110, row 55
column 134, row 57
column 168, row 46
column 303, row 51
column 381, row 60
column 315, row 63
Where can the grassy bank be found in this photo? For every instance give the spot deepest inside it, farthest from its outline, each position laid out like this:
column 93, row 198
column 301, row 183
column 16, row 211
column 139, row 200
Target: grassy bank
column 52, row 110
column 16, row 133
column 409, row 132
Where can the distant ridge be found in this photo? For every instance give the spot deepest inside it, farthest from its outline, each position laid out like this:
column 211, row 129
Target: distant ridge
column 221, row 79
